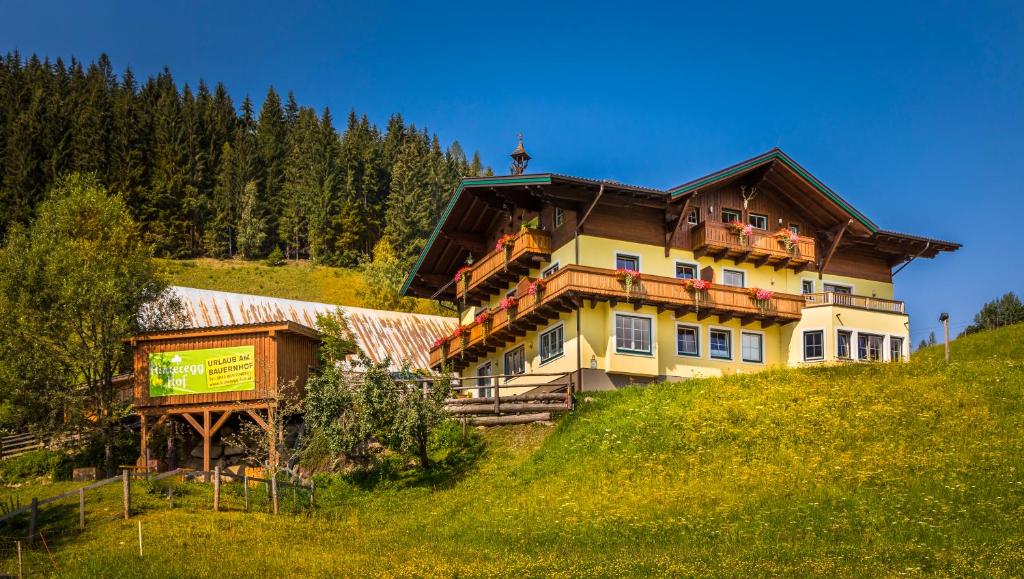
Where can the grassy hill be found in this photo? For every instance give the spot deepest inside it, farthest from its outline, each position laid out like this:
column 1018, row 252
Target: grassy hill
column 293, row 280
column 858, row 470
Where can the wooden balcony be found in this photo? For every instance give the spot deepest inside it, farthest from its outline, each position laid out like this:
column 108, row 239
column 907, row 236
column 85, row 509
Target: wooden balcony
column 584, row 286
column 717, row 241
column 854, row 301
column 492, row 273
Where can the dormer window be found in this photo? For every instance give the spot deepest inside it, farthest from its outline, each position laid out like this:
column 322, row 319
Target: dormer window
column 559, row 217
column 694, row 216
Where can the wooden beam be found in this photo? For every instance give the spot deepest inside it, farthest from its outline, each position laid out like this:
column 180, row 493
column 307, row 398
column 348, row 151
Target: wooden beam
column 782, row 264
column 586, row 214
column 220, row 422
column 747, row 320
column 832, row 249
column 762, row 261
column 769, row 323
column 257, row 418
column 466, row 241
column 206, row 440
column 670, row 236
column 724, row 317
column 195, row 423
column 703, row 315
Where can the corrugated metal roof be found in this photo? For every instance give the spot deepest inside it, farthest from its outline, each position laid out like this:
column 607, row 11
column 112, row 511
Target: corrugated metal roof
column 398, row 336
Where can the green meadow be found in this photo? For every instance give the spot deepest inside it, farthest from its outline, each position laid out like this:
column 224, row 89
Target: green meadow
column 860, row 470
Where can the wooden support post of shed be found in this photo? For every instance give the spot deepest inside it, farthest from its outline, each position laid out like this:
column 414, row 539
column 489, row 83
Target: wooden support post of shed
column 206, row 444
column 144, row 443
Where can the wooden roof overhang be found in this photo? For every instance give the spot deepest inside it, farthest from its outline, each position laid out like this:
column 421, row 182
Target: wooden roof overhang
column 478, row 205
column 258, row 328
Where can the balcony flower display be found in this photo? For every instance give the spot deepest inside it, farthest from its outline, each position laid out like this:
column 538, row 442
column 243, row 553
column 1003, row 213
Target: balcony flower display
column 509, row 304
column 536, row 288
column 461, row 332
column 462, row 279
column 439, row 342
column 762, row 297
column 788, row 238
column 699, row 288
column 485, row 318
column 629, row 278
column 743, row 230
column 505, row 243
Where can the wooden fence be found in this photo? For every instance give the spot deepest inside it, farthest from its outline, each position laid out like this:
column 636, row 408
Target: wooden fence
column 17, row 444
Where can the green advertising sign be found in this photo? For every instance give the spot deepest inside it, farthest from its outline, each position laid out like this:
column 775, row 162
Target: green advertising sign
column 202, row 371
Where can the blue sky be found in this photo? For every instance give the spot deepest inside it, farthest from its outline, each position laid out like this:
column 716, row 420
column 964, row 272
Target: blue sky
column 914, row 113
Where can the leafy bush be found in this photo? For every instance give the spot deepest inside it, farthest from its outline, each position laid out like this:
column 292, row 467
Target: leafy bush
column 276, row 258
column 37, row 463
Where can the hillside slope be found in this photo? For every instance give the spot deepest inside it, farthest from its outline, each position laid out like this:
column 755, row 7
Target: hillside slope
column 860, row 470
column 295, row 281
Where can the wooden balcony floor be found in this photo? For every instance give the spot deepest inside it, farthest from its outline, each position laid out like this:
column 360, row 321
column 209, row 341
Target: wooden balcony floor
column 718, row 242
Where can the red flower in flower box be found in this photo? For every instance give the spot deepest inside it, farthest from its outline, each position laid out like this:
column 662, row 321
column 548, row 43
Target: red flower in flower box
column 508, row 303
column 483, row 317
column 504, row 242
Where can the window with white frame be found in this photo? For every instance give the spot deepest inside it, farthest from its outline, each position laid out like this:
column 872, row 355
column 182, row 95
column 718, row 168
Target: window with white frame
column 730, row 215
column 720, row 344
column 550, row 271
column 693, row 218
column 559, row 217
column 869, row 347
column 632, row 334
column 843, row 340
column 895, row 349
column 794, row 228
column 551, row 344
column 752, row 347
column 734, row 277
column 814, row 345
column 686, row 270
column 807, row 286
column 688, row 341
column 627, row 261
column 838, row 289
column 758, row 221
column 515, row 361
column 483, row 380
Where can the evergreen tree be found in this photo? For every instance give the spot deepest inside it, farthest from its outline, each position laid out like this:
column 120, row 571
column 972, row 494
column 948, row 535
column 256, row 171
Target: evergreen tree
column 251, row 225
column 271, row 145
column 931, row 338
column 411, row 207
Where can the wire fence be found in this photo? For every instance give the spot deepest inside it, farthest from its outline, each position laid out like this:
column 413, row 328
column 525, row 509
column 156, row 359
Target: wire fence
column 32, row 537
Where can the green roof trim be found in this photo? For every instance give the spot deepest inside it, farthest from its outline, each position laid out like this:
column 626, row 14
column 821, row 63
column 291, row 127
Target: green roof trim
column 468, row 182
column 776, row 155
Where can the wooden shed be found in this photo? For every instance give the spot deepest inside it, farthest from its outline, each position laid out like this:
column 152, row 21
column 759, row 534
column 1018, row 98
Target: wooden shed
column 205, row 375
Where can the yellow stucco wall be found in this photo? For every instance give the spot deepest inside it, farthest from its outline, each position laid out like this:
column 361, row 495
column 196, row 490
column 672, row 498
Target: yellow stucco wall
column 782, row 344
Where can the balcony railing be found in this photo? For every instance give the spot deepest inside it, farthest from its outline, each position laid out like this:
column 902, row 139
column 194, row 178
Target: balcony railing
column 718, row 241
column 854, row 301
column 575, row 285
column 496, row 269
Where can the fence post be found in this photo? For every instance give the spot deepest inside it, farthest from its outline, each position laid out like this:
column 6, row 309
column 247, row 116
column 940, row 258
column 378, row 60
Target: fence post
column 216, row 488
column 497, row 396
column 127, row 491
column 245, row 486
column 33, row 513
column 312, row 493
column 273, row 490
column 21, row 573
column 81, row 508
column 140, row 537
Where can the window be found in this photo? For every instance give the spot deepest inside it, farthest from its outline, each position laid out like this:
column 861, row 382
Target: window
column 758, row 221
column 694, row 217
column 730, row 215
column 686, row 270
column 625, row 261
column 559, row 217
column 511, row 293
column 807, row 286
column 895, row 349
column 632, row 334
column 869, row 347
column 550, row 270
column 843, row 344
column 483, row 380
column 839, row 289
column 752, row 347
column 794, row 228
column 551, row 344
column 515, row 361
column 734, row 277
column 721, row 344
column 814, row 345
column 688, row 341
